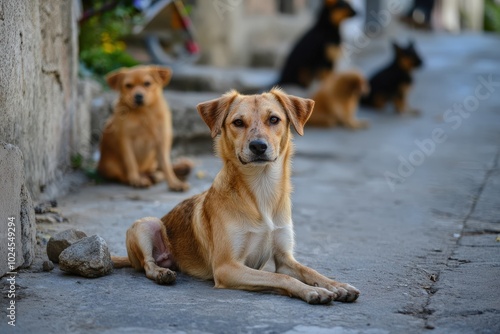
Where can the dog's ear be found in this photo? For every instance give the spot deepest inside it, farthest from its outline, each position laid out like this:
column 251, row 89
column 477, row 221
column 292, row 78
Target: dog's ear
column 214, row 112
column 114, row 78
column 411, row 45
column 297, row 109
column 397, row 49
column 330, row 2
column 163, row 74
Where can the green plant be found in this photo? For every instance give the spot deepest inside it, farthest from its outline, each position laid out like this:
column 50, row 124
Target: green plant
column 102, row 28
column 76, row 161
column 491, row 15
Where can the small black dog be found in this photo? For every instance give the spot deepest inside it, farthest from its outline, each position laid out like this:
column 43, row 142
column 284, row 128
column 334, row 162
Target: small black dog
column 318, row 49
column 393, row 82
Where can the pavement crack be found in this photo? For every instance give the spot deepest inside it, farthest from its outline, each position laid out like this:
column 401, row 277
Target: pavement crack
column 459, row 260
column 482, row 232
column 487, row 176
column 425, row 311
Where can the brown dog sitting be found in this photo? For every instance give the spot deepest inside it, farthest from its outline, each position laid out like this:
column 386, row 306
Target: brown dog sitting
column 337, row 101
column 137, row 139
column 229, row 232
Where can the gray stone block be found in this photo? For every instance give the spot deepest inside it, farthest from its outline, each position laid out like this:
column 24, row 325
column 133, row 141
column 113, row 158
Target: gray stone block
column 61, row 241
column 88, row 257
column 17, row 214
column 220, row 80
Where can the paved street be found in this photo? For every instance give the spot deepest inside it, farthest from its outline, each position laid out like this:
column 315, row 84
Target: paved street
column 407, row 211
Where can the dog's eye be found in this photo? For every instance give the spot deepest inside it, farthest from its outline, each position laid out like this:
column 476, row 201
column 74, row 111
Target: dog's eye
column 129, row 85
column 238, row 123
column 147, row 84
column 274, row 120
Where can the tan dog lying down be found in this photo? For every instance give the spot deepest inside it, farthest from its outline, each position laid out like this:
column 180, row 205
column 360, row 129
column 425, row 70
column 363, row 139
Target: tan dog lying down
column 137, row 139
column 337, row 100
column 230, row 231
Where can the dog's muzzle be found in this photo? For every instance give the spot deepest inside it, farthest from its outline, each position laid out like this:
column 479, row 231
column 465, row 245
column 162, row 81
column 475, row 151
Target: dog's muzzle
column 258, row 147
column 139, row 99
column 259, row 153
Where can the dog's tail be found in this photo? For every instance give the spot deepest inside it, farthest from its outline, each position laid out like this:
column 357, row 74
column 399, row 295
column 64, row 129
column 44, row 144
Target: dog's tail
column 121, row 261
column 182, row 168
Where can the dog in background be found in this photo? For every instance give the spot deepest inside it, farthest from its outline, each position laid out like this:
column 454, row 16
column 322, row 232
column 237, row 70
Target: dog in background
column 393, row 82
column 229, row 232
column 137, row 138
column 318, row 50
column 337, row 99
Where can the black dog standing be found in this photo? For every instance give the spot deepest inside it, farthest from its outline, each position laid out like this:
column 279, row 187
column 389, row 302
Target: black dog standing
column 317, row 50
column 393, row 82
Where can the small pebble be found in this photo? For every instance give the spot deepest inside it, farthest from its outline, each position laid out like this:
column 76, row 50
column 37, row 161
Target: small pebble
column 47, row 265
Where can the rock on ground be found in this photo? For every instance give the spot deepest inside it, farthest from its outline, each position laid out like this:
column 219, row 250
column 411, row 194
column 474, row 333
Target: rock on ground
column 47, row 266
column 88, row 257
column 61, row 241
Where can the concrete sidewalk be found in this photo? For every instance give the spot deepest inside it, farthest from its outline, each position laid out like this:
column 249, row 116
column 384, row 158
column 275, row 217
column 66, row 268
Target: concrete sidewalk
column 417, row 237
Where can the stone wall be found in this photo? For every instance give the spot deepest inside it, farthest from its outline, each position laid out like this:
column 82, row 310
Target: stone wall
column 235, row 32
column 41, row 126
column 38, row 86
column 16, row 212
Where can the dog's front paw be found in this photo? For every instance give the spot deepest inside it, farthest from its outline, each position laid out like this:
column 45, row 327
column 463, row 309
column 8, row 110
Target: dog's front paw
column 157, row 176
column 165, row 276
column 344, row 292
column 178, row 186
column 140, row 182
column 360, row 124
column 318, row 296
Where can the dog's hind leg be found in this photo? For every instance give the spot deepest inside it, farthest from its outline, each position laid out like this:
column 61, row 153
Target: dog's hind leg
column 148, row 248
column 401, row 101
column 349, row 116
column 165, row 164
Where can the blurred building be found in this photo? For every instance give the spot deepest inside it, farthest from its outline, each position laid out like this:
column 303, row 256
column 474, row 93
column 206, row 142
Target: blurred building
column 250, row 32
column 260, row 32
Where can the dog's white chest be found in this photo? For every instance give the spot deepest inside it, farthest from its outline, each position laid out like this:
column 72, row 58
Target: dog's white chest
column 265, row 187
column 259, row 241
column 258, row 249
column 256, row 242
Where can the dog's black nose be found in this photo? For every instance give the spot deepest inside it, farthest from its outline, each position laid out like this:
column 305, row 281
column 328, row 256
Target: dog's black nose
column 258, row 147
column 138, row 99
